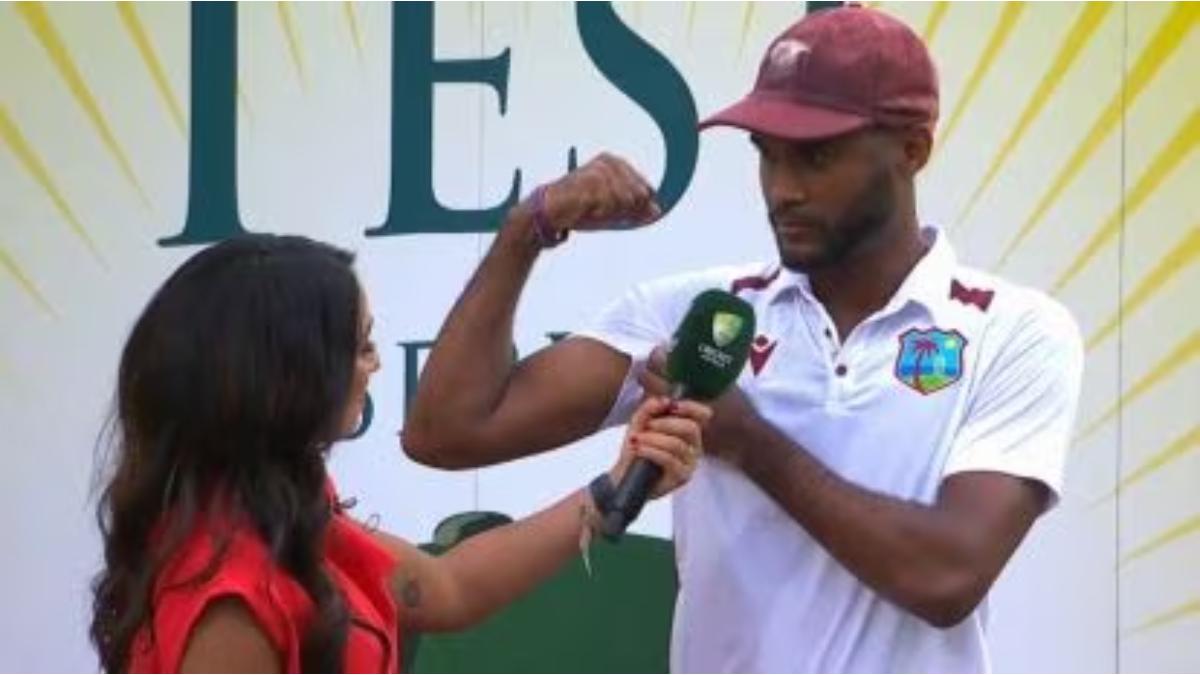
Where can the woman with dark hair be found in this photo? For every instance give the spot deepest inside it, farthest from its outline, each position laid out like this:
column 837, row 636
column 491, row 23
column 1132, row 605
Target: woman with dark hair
column 225, row 547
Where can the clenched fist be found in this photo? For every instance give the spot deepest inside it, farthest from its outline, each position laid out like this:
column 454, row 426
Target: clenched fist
column 603, row 194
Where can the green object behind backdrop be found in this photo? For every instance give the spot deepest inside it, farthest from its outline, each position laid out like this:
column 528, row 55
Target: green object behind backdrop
column 616, row 621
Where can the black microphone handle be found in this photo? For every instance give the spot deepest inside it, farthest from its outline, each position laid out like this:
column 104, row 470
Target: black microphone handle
column 630, row 496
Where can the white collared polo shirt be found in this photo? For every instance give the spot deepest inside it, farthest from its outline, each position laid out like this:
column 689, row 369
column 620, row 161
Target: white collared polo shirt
column 960, row 371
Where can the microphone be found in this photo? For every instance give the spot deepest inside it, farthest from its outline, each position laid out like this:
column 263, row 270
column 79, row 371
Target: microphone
column 708, row 352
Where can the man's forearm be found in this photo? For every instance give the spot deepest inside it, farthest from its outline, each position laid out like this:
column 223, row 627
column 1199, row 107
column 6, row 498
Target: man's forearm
column 917, row 556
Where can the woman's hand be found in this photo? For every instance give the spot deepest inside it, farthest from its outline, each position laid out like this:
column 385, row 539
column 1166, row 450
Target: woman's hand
column 670, row 435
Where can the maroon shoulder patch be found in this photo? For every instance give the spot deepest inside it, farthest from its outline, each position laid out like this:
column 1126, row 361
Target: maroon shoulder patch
column 981, row 298
column 754, row 283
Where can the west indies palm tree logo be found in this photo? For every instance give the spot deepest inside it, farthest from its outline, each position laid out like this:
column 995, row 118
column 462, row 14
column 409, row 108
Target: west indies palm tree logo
column 930, row 360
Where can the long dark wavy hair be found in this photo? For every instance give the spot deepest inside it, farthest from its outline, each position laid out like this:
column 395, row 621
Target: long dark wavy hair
column 234, row 382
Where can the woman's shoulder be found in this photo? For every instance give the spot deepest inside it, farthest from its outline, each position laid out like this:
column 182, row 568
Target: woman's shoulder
column 210, row 548
column 218, row 559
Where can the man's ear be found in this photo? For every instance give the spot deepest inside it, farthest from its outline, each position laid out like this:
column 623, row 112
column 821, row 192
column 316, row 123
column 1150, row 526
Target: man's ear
column 915, row 146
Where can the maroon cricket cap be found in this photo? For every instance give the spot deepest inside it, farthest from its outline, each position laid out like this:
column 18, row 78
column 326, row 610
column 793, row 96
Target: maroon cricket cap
column 836, row 71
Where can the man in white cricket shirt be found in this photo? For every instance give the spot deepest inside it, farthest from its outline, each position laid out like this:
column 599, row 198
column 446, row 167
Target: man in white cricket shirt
column 902, row 422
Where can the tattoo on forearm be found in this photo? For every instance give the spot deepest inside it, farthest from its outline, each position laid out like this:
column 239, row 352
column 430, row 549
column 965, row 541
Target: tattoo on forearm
column 410, row 591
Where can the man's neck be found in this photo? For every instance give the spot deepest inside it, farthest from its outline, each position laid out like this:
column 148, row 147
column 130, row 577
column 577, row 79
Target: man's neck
column 866, row 280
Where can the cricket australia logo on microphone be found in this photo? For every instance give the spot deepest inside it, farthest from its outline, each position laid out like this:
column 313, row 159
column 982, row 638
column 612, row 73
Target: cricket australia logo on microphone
column 726, row 327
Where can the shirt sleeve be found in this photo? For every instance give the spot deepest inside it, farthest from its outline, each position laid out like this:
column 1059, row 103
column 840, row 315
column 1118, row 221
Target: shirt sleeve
column 244, row 573
column 1020, row 420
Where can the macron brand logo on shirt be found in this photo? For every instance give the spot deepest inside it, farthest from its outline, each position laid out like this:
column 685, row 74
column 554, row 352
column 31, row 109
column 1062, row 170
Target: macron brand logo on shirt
column 760, row 352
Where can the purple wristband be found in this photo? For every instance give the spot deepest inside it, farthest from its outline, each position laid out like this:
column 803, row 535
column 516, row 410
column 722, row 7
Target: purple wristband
column 543, row 231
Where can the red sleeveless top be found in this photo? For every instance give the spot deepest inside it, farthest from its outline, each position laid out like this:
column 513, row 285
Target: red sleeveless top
column 357, row 565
